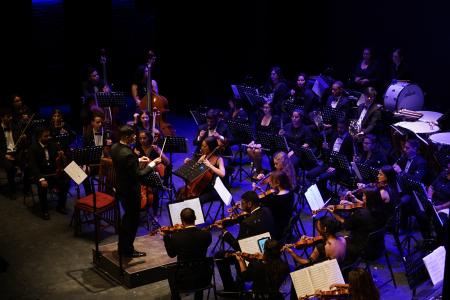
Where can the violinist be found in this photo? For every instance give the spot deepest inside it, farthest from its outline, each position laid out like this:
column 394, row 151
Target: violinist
column 152, row 151
column 259, row 221
column 268, row 273
column 332, row 247
column 8, row 138
column 203, row 188
column 268, row 123
column 187, row 244
column 360, row 285
column 142, row 121
column 280, row 202
column 363, row 221
column 281, row 163
column 43, row 155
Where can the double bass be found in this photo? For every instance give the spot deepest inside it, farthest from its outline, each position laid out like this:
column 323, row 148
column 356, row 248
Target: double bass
column 158, row 101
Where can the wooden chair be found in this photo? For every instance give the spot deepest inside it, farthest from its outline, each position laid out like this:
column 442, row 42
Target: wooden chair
column 103, row 198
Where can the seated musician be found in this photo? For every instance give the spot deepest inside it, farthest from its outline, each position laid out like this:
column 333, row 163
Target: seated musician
column 281, row 162
column 372, row 155
column 58, row 126
column 411, row 165
column 332, row 247
column 187, row 244
column 236, row 112
column 145, row 148
column 266, row 123
column 43, row 164
column 203, row 187
column 439, row 191
column 21, row 113
column 213, row 127
column 338, row 100
column 303, row 95
column 363, row 221
column 8, row 138
column 360, row 285
column 297, row 133
column 340, row 142
column 259, row 221
column 280, row 201
column 142, row 121
column 369, row 113
column 267, row 272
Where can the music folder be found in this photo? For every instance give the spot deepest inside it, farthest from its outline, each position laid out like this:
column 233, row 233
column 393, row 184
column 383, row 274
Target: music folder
column 314, row 198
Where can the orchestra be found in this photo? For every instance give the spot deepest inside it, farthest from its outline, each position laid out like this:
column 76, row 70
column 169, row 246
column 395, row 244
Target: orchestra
column 412, row 178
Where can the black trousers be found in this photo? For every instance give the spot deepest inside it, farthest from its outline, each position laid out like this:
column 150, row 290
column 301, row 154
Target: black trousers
column 131, row 205
column 61, row 184
column 11, row 171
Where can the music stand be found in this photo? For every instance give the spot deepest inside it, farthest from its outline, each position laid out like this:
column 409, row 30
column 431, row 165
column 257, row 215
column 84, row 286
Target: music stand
column 174, row 144
column 153, row 180
column 63, row 140
column 415, row 270
column 244, row 133
column 368, row 173
column 290, row 107
column 239, row 91
column 38, row 124
column 331, row 115
column 340, row 162
column 199, row 118
column 112, row 99
column 87, row 156
column 254, row 99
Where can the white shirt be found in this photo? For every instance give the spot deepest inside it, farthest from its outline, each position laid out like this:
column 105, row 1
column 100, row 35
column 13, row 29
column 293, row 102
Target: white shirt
column 337, row 144
column 361, row 117
column 9, row 140
column 98, row 139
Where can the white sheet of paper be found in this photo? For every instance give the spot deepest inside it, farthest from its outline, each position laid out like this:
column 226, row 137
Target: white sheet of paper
column 435, row 264
column 223, row 192
column 302, row 283
column 355, row 168
column 176, row 208
column 314, row 197
column 250, row 244
column 75, row 172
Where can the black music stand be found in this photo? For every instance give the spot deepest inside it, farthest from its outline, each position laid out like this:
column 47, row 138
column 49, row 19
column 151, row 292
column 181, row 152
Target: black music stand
column 244, row 132
column 153, row 180
column 174, row 144
column 289, row 107
column 239, row 91
column 340, row 162
column 89, row 156
column 199, row 118
column 331, row 115
column 112, row 99
column 255, row 100
column 63, row 140
column 415, row 270
column 368, row 173
column 38, row 124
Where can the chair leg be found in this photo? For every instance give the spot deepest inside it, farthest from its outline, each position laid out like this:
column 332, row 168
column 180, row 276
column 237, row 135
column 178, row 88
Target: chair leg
column 390, row 269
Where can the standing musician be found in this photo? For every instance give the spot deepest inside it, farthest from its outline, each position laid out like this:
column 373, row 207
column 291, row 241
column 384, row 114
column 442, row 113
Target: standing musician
column 268, row 273
column 43, row 157
column 152, row 151
column 259, row 221
column 188, row 244
column 203, row 186
column 21, row 112
column 128, row 174
column 278, row 88
column 139, row 84
column 8, row 138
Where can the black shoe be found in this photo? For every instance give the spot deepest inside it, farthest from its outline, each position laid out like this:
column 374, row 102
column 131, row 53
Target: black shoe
column 136, row 254
column 46, row 216
column 61, row 210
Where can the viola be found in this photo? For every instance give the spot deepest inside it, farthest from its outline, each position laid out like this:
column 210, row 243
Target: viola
column 341, row 207
column 168, row 229
column 306, row 242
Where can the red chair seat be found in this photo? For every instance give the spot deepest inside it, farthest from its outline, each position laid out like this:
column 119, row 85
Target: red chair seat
column 103, row 200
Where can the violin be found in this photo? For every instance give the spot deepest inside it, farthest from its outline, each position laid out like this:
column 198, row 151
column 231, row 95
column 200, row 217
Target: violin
column 338, row 292
column 306, row 242
column 266, row 193
column 341, row 207
column 168, row 229
column 246, row 256
column 229, row 221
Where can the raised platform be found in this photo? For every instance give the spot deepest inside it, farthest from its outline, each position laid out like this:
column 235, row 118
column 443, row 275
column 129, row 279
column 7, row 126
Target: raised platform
column 136, row 271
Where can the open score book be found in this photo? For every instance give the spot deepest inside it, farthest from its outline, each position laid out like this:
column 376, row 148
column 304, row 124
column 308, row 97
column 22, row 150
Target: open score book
column 316, row 277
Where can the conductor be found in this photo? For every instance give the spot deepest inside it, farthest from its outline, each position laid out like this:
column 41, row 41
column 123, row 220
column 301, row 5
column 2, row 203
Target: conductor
column 128, row 172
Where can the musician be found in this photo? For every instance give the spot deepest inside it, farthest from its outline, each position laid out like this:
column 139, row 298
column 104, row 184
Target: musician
column 363, row 221
column 128, row 174
column 278, row 87
column 303, row 95
column 266, row 123
column 360, row 285
column 333, row 246
column 21, row 113
column 340, row 142
column 411, row 164
column 42, row 157
column 399, row 68
column 372, row 154
column 8, row 137
column 283, row 163
column 213, row 127
column 89, row 89
column 139, row 84
column 268, row 273
column 58, row 126
column 367, row 72
column 145, row 148
column 259, row 221
column 369, row 113
column 142, row 121
column 236, row 112
column 439, row 191
column 187, row 244
column 338, row 100
column 95, row 135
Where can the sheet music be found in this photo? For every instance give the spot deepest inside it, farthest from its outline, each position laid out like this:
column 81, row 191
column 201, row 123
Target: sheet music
column 75, row 172
column 176, row 208
column 355, row 168
column 314, row 198
column 223, row 192
column 317, row 277
column 435, row 264
column 250, row 245
column 302, row 283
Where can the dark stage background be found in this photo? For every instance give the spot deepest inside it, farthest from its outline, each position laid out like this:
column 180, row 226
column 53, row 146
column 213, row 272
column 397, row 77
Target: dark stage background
column 204, row 47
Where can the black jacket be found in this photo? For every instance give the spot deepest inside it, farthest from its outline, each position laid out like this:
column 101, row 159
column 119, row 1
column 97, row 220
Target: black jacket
column 191, row 243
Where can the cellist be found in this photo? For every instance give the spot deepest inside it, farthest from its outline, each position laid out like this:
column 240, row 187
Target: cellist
column 203, row 187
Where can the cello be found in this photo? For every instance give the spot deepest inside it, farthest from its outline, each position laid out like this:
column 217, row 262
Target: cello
column 157, row 101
